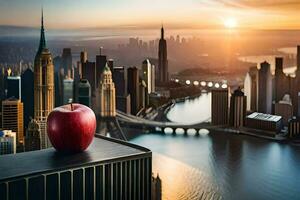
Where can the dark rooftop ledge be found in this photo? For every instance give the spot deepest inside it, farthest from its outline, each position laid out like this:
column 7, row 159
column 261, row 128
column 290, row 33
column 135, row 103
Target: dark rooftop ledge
column 102, row 150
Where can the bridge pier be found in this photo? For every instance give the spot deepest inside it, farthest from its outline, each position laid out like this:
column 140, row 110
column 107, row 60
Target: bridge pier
column 185, row 131
column 197, row 132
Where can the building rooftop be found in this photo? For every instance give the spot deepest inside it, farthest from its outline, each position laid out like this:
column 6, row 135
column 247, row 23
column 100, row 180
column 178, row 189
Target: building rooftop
column 102, row 149
column 264, row 117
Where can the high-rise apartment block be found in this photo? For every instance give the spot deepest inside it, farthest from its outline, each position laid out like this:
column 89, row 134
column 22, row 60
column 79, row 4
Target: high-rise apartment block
column 12, row 118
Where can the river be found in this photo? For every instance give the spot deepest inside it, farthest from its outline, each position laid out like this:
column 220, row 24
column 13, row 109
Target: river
column 221, row 164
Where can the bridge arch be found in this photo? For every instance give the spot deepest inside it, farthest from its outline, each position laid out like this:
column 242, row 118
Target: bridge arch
column 203, row 132
column 179, row 131
column 191, row 131
column 168, row 130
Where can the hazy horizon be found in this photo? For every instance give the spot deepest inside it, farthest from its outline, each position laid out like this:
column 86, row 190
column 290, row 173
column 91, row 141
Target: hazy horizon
column 192, row 14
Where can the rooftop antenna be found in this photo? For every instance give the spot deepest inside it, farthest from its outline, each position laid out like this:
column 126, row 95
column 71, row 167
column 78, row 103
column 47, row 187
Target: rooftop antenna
column 101, row 50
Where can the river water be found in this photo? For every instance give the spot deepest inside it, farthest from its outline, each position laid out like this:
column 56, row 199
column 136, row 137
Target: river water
column 217, row 164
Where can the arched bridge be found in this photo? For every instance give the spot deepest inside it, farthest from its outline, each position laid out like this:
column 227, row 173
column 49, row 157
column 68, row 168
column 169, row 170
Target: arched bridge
column 137, row 122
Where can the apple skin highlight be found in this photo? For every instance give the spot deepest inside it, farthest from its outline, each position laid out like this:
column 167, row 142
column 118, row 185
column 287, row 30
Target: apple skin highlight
column 71, row 128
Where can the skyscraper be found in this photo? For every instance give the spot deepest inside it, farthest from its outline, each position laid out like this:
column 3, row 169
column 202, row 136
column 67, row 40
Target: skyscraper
column 253, row 72
column 84, row 92
column 43, row 86
column 107, row 94
column 238, row 105
column 265, row 89
column 89, row 73
column 33, row 136
column 120, row 80
column 14, row 87
column 282, row 86
column 100, row 65
column 83, row 56
column 68, row 91
column 8, row 143
column 133, row 89
column 27, row 91
column 12, row 119
column 148, row 74
column 66, row 60
column 58, row 84
column 219, row 107
column 2, row 83
column 162, row 59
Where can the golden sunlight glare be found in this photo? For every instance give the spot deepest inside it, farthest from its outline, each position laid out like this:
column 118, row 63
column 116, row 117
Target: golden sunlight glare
column 230, row 23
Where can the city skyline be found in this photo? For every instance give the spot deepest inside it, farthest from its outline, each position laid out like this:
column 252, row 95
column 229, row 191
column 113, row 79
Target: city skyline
column 206, row 14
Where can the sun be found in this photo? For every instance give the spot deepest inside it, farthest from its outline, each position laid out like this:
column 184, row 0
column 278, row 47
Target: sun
column 230, row 23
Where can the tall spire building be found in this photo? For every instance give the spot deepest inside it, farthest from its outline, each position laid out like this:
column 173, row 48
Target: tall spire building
column 43, row 86
column 162, row 59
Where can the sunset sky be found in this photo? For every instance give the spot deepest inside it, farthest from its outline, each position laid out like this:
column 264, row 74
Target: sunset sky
column 61, row 14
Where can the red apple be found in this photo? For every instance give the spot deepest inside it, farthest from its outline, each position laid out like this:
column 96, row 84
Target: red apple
column 71, row 127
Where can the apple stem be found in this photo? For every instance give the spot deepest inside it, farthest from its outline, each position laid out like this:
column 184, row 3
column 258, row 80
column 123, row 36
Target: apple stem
column 71, row 106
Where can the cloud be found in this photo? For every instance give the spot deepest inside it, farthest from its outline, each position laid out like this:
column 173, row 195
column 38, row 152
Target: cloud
column 260, row 3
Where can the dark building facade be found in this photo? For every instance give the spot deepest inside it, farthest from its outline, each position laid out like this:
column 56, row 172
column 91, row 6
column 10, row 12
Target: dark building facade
column 109, row 169
column 84, row 92
column 89, row 73
column 27, row 93
column 265, row 89
column 238, row 106
column 66, row 60
column 282, row 85
column 100, row 64
column 120, row 80
column 58, row 84
column 253, row 72
column 219, row 107
column 13, row 87
column 133, row 89
column 294, row 127
column 162, row 59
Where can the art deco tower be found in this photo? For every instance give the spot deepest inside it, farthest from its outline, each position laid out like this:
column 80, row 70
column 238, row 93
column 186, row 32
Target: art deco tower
column 43, row 86
column 162, row 59
column 107, row 94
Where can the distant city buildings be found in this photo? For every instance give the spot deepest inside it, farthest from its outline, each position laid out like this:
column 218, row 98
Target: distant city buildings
column 219, row 106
